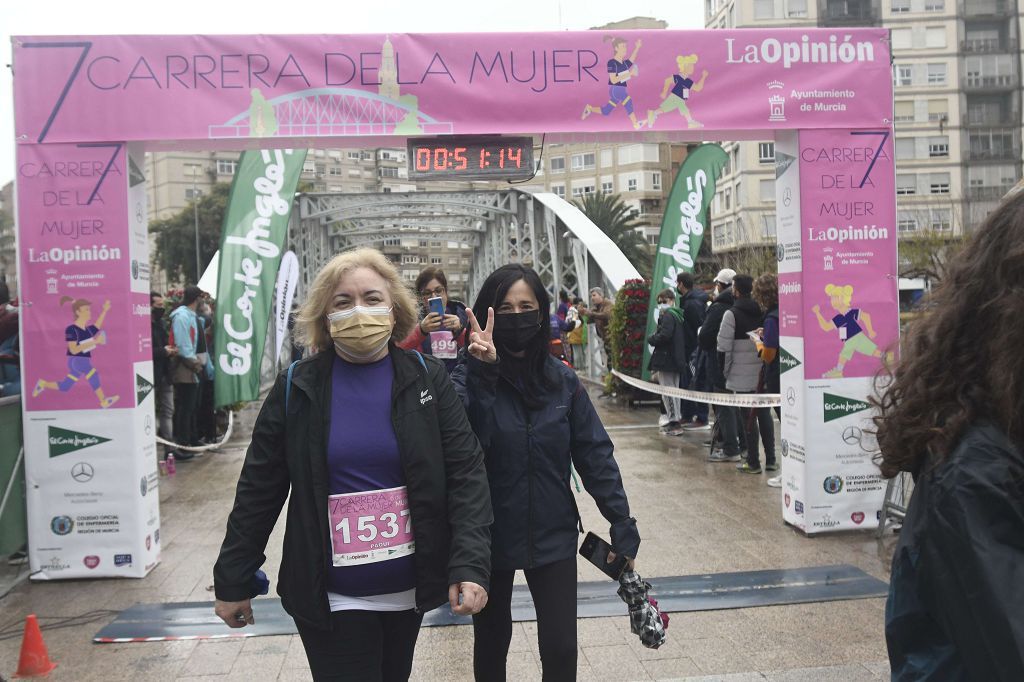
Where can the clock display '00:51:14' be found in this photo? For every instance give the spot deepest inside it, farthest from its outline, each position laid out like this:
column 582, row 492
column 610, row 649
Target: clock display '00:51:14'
column 457, row 158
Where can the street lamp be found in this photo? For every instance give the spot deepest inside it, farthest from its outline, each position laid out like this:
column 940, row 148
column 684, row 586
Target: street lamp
column 196, row 168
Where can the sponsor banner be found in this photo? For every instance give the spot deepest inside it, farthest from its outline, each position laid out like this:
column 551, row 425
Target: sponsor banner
column 255, row 227
column 284, row 293
column 792, row 439
column 787, row 205
column 85, row 88
column 728, row 399
column 683, row 226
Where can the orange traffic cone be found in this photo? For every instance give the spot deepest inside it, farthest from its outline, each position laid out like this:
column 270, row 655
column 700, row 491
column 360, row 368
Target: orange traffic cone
column 34, row 661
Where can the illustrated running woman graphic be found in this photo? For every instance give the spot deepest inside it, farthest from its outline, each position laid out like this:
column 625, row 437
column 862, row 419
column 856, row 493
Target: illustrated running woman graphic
column 82, row 338
column 848, row 321
column 680, row 84
column 620, row 70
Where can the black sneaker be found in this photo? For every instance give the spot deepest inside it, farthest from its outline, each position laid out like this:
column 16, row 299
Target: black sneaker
column 183, row 456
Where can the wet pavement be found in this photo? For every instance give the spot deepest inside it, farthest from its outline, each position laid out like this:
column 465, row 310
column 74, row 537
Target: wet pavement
column 695, row 517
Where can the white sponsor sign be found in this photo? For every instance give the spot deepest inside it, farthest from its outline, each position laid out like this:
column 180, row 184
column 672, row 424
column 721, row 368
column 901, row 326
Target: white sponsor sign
column 287, row 280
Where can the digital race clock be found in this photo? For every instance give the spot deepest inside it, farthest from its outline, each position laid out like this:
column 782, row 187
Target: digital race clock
column 470, row 158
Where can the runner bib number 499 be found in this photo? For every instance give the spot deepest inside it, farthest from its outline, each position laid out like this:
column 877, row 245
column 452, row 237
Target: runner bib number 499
column 370, row 527
column 443, row 346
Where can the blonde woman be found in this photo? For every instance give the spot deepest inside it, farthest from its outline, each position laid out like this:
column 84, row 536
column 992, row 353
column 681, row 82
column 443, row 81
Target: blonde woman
column 367, row 442
column 675, row 93
column 851, row 323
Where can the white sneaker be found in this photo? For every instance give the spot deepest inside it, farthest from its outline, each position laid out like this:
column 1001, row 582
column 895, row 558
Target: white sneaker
column 663, row 420
column 775, row 481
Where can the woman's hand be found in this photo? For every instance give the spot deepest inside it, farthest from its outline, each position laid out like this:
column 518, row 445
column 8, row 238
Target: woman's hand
column 431, row 323
column 237, row 614
column 452, row 323
column 474, row 598
column 481, row 341
column 630, row 563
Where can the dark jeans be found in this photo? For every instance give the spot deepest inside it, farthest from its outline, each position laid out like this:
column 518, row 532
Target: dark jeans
column 759, row 420
column 370, row 646
column 691, row 409
column 553, row 588
column 186, row 403
column 206, row 418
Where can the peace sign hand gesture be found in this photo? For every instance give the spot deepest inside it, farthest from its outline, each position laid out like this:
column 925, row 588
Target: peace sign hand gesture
column 481, row 343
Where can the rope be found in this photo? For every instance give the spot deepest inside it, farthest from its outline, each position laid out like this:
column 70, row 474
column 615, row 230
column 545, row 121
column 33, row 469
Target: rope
column 727, row 399
column 203, row 448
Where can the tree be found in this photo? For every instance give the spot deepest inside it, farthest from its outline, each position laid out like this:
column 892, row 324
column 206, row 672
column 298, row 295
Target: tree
column 617, row 220
column 175, row 251
column 927, row 254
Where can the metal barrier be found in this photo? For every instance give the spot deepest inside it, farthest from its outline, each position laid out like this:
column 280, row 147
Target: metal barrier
column 13, row 519
column 897, row 498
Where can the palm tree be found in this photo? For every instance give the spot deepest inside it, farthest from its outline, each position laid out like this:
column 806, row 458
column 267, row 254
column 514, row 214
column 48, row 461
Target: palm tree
column 617, row 220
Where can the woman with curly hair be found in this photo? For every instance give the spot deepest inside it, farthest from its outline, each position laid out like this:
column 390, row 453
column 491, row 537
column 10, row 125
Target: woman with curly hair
column 952, row 415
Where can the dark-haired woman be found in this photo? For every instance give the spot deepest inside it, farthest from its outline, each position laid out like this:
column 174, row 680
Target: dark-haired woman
column 439, row 335
column 533, row 419
column 956, row 605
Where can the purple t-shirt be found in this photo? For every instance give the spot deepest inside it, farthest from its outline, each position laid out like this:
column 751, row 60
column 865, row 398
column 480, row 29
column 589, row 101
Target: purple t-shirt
column 362, row 455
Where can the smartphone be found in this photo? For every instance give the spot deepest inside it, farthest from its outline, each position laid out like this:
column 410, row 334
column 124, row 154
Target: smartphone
column 595, row 550
column 435, row 305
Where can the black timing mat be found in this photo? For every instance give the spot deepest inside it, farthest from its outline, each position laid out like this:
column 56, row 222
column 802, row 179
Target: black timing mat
column 196, row 620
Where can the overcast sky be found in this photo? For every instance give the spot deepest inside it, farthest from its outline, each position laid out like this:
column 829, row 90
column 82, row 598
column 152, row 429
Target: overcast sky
column 74, row 17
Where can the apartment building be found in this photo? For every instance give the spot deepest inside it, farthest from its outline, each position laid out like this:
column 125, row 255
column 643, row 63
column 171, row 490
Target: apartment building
column 957, row 77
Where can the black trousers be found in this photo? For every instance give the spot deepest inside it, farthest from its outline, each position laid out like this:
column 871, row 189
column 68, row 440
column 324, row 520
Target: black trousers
column 553, row 588
column 759, row 423
column 364, row 646
column 186, row 403
column 206, row 418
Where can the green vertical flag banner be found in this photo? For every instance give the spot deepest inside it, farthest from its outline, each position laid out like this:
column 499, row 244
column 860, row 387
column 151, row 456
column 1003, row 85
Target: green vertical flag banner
column 251, row 243
column 682, row 228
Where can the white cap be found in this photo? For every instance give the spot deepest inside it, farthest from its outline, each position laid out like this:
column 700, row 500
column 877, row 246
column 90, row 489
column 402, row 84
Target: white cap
column 725, row 276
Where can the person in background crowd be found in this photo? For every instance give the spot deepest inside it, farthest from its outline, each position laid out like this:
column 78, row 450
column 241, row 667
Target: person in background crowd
column 668, row 360
column 534, row 419
column 206, row 416
column 439, row 335
column 766, row 295
column 955, row 610
column 600, row 313
column 10, row 368
column 563, row 305
column 577, row 338
column 727, row 417
column 573, row 322
column 185, row 336
column 694, row 304
column 163, row 386
column 362, row 431
column 742, row 369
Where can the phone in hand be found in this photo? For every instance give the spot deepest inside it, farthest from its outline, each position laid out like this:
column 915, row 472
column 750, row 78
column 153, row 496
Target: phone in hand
column 595, row 550
column 435, row 305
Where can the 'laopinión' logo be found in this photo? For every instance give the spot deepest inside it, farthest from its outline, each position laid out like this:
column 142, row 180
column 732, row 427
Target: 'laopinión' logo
column 63, row 441
column 837, row 407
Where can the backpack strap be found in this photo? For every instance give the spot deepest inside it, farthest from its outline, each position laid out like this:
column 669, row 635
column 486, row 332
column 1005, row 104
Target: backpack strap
column 288, row 386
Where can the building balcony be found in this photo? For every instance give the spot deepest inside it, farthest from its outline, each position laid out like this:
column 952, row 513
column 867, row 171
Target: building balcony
column 849, row 13
column 986, row 8
column 987, row 192
column 1002, row 82
column 1005, row 153
column 1012, row 120
column 988, row 46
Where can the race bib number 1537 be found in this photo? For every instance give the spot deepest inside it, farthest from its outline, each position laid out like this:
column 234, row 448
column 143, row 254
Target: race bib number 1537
column 370, row 527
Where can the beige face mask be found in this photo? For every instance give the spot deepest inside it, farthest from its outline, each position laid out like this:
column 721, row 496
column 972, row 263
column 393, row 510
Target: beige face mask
column 361, row 333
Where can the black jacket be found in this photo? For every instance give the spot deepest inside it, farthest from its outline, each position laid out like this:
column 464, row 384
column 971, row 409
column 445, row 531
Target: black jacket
column 694, row 305
column 669, row 341
column 708, row 337
column 956, row 607
column 161, row 361
column 444, row 473
column 528, row 454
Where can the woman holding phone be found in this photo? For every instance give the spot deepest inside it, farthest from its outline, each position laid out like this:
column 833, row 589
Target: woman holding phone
column 534, row 418
column 441, row 331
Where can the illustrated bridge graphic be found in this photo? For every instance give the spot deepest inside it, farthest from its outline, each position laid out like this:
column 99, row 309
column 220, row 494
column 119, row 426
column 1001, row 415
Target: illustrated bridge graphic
column 325, row 112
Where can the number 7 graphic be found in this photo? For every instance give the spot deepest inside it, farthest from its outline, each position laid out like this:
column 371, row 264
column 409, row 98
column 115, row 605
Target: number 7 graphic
column 885, row 138
column 85, row 47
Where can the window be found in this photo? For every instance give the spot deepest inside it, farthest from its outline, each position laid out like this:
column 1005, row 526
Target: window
column 938, row 110
column 410, row 259
column 583, row 161
column 386, row 190
column 938, row 146
column 453, row 261
column 309, row 166
column 938, row 183
column 226, row 167
column 906, row 184
column 559, row 190
column 767, row 191
column 191, row 194
column 797, row 8
column 557, row 164
column 936, row 74
column 768, row 225
column 935, row 37
column 352, row 156
column 902, row 39
column 435, row 260
column 906, row 221
column 939, row 219
column 904, row 111
column 766, row 152
column 905, row 148
column 355, row 173
column 607, row 187
column 934, row 5
column 631, row 185
column 607, row 158
column 727, row 196
column 904, row 75
column 739, row 194
column 423, row 243
column 764, row 9
column 387, row 172
column 899, row 6
column 656, row 181
column 653, row 239
column 334, row 170
column 392, row 241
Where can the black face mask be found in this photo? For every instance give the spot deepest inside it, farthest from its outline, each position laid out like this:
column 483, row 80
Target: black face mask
column 514, row 331
column 157, row 313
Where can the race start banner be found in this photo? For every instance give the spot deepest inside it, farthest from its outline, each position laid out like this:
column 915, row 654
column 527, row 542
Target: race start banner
column 835, row 196
column 89, row 421
column 683, row 226
column 255, row 227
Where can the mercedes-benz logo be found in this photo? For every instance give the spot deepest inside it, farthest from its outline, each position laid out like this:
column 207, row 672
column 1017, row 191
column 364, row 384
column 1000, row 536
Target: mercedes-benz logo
column 82, row 472
column 148, row 425
column 791, row 396
column 852, row 435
